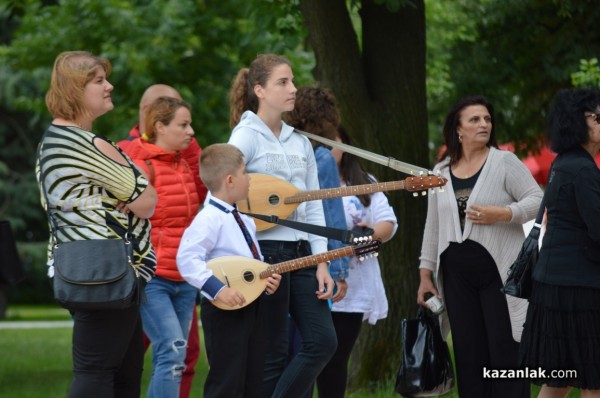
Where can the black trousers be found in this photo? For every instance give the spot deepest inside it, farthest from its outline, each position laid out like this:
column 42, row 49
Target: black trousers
column 332, row 381
column 108, row 354
column 481, row 331
column 235, row 346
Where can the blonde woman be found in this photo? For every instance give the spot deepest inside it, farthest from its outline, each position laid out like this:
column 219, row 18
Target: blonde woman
column 90, row 185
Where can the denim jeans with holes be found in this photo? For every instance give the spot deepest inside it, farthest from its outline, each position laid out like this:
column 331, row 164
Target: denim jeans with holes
column 167, row 317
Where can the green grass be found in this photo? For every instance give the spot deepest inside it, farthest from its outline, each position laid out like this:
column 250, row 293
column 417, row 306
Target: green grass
column 36, row 363
column 36, row 313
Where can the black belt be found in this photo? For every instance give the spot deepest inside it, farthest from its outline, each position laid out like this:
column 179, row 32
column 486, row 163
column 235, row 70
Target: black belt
column 286, row 244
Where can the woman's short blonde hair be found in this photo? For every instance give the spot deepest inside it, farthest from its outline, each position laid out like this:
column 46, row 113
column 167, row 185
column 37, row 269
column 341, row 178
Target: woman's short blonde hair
column 71, row 72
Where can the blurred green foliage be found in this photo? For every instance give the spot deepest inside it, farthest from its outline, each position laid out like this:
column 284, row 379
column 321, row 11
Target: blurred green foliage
column 588, row 74
column 518, row 53
column 196, row 46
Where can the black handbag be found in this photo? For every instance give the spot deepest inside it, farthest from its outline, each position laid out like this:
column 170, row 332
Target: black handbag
column 95, row 274
column 11, row 268
column 519, row 281
column 426, row 368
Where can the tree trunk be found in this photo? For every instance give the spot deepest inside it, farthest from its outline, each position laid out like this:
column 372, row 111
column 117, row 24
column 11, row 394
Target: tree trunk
column 380, row 88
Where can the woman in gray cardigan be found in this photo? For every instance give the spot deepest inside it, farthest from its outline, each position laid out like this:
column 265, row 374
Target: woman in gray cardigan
column 472, row 235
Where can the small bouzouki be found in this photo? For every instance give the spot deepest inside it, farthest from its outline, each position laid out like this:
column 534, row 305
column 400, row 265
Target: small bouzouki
column 270, row 195
column 249, row 275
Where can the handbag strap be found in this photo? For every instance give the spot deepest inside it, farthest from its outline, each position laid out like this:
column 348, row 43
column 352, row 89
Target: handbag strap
column 51, row 221
column 537, row 225
column 540, row 214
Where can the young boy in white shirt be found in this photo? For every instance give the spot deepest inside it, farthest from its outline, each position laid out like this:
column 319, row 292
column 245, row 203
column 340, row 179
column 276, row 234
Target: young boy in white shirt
column 234, row 339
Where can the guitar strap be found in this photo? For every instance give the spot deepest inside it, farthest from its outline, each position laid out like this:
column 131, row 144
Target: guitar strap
column 331, row 233
column 373, row 157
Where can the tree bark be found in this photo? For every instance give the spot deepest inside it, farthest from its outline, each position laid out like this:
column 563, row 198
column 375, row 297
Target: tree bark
column 379, row 82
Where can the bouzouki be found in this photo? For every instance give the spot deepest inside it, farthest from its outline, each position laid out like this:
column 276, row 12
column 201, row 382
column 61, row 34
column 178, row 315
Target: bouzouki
column 270, row 195
column 248, row 275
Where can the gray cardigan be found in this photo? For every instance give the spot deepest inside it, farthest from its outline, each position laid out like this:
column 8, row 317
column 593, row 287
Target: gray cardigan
column 504, row 181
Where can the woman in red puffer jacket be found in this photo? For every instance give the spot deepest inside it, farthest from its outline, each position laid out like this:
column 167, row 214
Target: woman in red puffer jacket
column 167, row 314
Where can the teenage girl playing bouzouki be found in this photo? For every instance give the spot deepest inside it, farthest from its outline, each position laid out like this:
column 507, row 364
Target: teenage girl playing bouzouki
column 259, row 96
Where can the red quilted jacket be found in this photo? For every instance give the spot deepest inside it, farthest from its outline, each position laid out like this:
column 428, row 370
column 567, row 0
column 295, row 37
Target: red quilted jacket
column 191, row 155
column 177, row 205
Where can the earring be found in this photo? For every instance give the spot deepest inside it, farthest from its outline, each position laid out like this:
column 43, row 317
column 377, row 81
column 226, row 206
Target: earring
column 460, row 139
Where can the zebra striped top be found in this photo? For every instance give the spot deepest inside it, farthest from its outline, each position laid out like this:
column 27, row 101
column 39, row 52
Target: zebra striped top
column 83, row 188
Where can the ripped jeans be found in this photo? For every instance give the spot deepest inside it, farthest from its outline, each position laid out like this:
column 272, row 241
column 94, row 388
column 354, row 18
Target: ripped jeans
column 166, row 317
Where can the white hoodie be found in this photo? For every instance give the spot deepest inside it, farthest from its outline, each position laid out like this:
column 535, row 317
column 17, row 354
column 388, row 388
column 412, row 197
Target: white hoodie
column 289, row 157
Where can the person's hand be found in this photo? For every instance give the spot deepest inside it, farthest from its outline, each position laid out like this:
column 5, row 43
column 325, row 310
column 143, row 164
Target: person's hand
column 273, row 283
column 230, row 297
column 122, row 207
column 326, row 283
column 426, row 286
column 342, row 287
column 488, row 214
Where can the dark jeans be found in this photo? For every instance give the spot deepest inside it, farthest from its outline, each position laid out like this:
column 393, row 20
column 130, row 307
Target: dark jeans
column 481, row 331
column 108, row 354
column 296, row 297
column 332, row 381
column 295, row 344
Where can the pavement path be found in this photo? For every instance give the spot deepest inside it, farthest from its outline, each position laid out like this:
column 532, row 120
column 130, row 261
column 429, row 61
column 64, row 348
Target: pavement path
column 35, row 324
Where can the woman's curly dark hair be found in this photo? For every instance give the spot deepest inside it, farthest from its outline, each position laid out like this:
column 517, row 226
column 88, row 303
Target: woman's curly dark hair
column 315, row 112
column 567, row 126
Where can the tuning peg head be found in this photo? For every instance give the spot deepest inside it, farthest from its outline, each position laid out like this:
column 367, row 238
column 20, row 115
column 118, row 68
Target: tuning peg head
column 415, row 194
column 423, row 193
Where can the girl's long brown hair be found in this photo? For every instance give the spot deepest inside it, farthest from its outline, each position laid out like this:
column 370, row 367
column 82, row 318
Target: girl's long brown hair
column 241, row 95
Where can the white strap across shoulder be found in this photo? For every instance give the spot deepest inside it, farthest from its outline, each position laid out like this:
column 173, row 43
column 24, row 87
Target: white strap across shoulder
column 373, row 157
